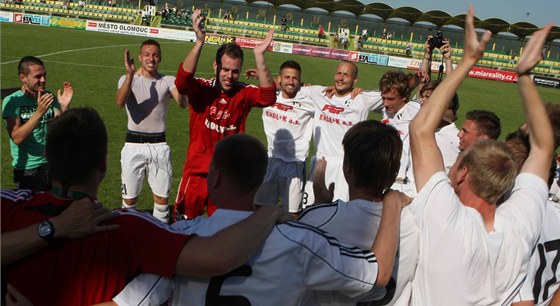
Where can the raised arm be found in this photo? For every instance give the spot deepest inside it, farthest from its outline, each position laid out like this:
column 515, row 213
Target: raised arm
column 80, row 219
column 538, row 123
column 427, row 58
column 426, row 157
column 447, row 51
column 191, row 61
column 231, row 247
column 126, row 88
column 265, row 78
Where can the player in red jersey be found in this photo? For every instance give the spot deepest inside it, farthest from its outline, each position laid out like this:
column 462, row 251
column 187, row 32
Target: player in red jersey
column 217, row 108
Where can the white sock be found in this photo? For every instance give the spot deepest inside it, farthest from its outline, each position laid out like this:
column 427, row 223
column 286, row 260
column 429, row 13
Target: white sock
column 161, row 212
column 124, row 205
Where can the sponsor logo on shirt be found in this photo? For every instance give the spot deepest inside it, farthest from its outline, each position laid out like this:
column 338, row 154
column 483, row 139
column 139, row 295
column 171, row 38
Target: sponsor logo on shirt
column 282, row 107
column 219, row 128
column 333, row 109
column 282, row 118
column 219, row 114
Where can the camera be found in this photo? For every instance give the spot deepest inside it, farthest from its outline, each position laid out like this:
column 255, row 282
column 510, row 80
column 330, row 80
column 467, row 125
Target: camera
column 436, row 41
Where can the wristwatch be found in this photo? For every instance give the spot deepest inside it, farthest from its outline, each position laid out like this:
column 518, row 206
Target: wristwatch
column 46, row 230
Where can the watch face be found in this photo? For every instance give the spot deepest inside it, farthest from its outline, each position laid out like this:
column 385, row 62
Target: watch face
column 45, row 229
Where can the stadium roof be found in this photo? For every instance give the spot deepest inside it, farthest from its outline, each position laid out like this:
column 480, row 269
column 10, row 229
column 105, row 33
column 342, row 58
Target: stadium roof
column 413, row 15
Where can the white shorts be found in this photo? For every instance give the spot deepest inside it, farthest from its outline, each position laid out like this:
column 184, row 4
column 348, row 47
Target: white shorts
column 145, row 159
column 283, row 180
column 333, row 174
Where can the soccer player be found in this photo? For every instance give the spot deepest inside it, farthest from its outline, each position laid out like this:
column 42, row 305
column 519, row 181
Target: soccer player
column 28, row 113
column 145, row 93
column 334, row 116
column 91, row 270
column 217, row 108
column 543, row 278
column 465, row 238
column 369, row 147
column 288, row 128
column 314, row 259
column 398, row 111
column 478, row 124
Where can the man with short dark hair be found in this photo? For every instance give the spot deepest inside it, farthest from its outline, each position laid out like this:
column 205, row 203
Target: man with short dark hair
column 478, row 124
column 288, row 125
column 28, row 113
column 370, row 147
column 217, row 108
column 145, row 93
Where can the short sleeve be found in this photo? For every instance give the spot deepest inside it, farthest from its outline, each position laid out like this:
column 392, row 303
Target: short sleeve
column 9, row 108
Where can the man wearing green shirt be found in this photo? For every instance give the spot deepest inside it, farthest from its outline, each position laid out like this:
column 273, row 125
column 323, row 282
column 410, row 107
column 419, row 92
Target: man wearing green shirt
column 28, row 113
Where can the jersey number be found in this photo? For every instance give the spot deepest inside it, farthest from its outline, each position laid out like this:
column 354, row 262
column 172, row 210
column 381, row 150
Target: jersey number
column 549, row 246
column 213, row 297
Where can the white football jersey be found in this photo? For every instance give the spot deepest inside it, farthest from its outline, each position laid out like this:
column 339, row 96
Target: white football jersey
column 288, row 127
column 334, row 116
column 354, row 223
column 407, row 258
column 543, row 278
column 400, row 121
column 462, row 264
column 296, row 257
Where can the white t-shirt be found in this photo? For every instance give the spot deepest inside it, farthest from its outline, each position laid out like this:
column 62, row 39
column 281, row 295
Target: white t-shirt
column 407, row 258
column 448, row 143
column 400, row 121
column 147, row 104
column 295, row 257
column 459, row 262
column 354, row 223
column 543, row 278
column 288, row 127
column 334, row 116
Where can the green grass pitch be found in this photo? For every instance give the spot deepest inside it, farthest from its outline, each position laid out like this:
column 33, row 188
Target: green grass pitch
column 93, row 62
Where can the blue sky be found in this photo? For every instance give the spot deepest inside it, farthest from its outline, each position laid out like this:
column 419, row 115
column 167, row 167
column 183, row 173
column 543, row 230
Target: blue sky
column 540, row 12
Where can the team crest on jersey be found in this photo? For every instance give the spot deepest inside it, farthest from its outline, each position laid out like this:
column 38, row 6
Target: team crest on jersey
column 296, row 103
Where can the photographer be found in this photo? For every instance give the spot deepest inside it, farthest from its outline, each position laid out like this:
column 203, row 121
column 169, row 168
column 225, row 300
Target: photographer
column 443, row 45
